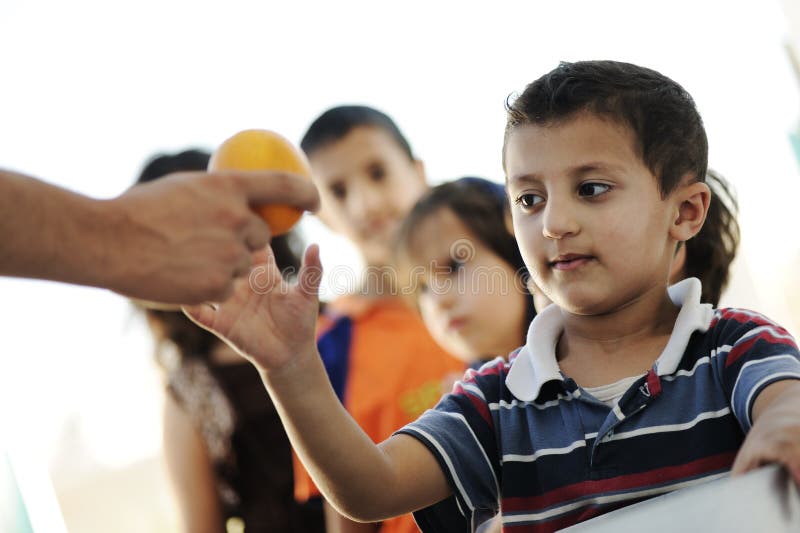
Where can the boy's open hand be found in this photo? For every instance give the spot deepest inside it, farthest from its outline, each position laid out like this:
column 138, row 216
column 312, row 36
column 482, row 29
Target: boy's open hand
column 775, row 435
column 267, row 319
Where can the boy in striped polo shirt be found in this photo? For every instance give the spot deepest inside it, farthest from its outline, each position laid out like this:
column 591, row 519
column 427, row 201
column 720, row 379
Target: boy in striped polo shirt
column 626, row 388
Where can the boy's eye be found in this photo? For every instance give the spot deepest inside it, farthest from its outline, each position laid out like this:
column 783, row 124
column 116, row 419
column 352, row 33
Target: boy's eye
column 377, row 173
column 592, row 189
column 338, row 190
column 528, row 200
column 455, row 265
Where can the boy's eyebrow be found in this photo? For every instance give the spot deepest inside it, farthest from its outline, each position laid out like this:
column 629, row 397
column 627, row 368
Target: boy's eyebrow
column 576, row 171
column 525, row 179
column 588, row 168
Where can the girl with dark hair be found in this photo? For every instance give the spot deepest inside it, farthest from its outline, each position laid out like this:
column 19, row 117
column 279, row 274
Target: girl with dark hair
column 465, row 271
column 227, row 454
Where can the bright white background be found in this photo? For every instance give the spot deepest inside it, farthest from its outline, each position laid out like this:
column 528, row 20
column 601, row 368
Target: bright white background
column 89, row 90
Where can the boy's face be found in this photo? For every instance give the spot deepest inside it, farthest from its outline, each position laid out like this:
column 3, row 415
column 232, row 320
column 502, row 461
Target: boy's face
column 367, row 185
column 470, row 298
column 588, row 215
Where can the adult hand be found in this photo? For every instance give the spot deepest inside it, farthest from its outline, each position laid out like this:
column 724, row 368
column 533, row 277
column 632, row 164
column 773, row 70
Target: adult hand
column 185, row 238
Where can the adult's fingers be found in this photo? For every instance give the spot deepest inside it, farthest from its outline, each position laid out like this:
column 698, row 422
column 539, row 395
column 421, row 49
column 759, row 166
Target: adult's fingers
column 243, row 266
column 256, row 233
column 270, row 187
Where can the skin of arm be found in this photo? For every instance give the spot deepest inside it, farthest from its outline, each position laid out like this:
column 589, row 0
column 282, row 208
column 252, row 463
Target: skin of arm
column 336, row 523
column 775, row 435
column 272, row 323
column 182, row 239
column 190, row 472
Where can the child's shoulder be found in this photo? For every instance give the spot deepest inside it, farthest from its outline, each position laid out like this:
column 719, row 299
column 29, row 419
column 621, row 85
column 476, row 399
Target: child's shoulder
column 740, row 334
column 490, row 376
column 734, row 321
column 739, row 315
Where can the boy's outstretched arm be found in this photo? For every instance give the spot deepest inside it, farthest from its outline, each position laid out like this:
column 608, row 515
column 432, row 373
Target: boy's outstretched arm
column 775, row 435
column 272, row 323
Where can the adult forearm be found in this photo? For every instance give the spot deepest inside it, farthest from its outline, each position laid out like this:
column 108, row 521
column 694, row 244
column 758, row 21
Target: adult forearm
column 352, row 472
column 50, row 233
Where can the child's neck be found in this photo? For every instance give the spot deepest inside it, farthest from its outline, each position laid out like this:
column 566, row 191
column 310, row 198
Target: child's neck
column 379, row 281
column 601, row 349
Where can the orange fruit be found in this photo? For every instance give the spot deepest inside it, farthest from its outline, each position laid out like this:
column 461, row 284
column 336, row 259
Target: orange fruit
column 264, row 150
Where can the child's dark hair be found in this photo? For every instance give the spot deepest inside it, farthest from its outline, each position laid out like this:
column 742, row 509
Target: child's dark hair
column 162, row 164
column 709, row 254
column 335, row 123
column 670, row 136
column 481, row 205
column 174, row 326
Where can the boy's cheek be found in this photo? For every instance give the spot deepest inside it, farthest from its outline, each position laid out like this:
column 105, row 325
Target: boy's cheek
column 332, row 218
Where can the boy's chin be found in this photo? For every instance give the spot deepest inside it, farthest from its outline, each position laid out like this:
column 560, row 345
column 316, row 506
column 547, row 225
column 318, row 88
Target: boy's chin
column 582, row 304
column 376, row 255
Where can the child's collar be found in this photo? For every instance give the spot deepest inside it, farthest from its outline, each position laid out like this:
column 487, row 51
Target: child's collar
column 536, row 363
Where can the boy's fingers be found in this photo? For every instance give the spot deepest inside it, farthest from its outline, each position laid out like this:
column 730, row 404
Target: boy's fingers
column 279, row 188
column 201, row 314
column 310, row 274
column 745, row 461
column 264, row 275
column 795, row 471
column 739, row 465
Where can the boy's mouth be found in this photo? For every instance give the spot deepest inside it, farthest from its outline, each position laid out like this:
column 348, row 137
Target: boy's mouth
column 456, row 324
column 569, row 261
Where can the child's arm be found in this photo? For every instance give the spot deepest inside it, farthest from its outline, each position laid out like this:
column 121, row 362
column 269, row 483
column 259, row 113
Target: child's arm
column 272, row 324
column 336, row 523
column 191, row 472
column 775, row 435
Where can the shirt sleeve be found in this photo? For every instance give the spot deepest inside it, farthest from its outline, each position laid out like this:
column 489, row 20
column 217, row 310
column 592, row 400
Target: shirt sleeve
column 460, row 432
column 752, row 352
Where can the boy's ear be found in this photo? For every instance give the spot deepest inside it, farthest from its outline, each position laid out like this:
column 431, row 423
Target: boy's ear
column 692, row 202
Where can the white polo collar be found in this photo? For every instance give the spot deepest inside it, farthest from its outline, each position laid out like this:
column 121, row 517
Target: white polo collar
column 536, row 363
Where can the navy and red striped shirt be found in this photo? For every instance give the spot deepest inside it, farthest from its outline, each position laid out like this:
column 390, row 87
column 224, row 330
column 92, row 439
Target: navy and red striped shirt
column 524, row 439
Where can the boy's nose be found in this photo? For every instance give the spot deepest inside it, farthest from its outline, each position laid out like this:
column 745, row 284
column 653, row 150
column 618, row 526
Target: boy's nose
column 559, row 221
column 441, row 292
column 365, row 204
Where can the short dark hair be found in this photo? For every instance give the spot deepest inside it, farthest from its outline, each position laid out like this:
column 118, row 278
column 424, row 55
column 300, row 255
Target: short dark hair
column 162, row 164
column 335, row 123
column 709, row 254
column 481, row 205
column 670, row 136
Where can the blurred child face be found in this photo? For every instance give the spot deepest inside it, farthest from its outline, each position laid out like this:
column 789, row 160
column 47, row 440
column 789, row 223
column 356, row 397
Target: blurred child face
column 471, row 300
column 367, row 184
column 587, row 213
